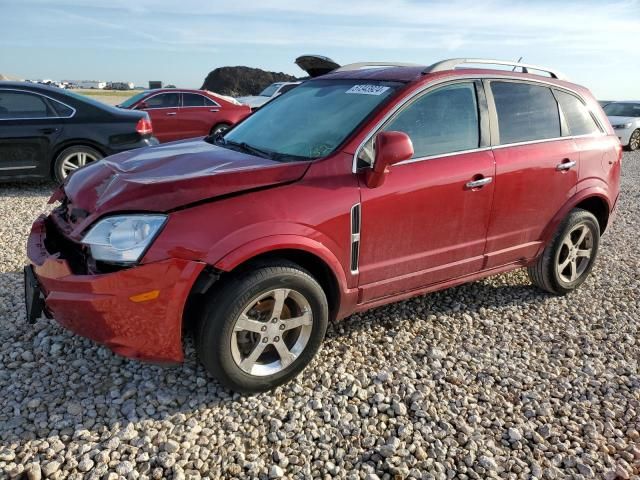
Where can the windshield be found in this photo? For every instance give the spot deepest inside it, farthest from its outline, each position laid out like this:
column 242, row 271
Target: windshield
column 133, row 100
column 270, row 90
column 311, row 120
column 623, row 110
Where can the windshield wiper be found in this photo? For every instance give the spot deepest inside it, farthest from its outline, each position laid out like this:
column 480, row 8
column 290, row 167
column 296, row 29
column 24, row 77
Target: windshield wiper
column 249, row 149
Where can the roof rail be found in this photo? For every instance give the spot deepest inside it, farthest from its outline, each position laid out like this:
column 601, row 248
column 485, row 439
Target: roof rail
column 361, row 65
column 452, row 63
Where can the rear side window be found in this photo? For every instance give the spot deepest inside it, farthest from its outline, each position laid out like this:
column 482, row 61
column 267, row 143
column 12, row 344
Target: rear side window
column 442, row 121
column 61, row 109
column 525, row 112
column 164, row 100
column 16, row 105
column 195, row 100
column 578, row 118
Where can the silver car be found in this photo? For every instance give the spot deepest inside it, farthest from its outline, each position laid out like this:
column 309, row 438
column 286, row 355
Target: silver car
column 625, row 120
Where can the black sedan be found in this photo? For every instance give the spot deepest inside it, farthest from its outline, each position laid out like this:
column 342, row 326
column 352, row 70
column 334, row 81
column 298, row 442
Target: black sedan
column 49, row 132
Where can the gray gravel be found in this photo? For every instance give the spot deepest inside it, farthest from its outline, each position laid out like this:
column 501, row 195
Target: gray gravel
column 489, row 380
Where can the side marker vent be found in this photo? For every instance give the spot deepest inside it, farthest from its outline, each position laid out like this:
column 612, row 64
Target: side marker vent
column 355, row 237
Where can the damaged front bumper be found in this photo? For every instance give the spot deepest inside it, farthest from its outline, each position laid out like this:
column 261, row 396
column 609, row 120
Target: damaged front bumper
column 136, row 312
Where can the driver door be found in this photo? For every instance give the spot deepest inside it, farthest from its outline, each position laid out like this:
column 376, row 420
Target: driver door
column 427, row 223
column 163, row 109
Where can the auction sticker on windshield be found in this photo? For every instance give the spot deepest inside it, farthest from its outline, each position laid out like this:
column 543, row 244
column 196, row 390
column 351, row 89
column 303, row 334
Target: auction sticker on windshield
column 368, row 89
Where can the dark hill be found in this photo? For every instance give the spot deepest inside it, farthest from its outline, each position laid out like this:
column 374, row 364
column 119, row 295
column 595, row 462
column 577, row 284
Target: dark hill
column 240, row 81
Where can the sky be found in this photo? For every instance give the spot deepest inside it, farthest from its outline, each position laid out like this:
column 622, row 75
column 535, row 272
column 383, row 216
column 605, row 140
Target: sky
column 594, row 43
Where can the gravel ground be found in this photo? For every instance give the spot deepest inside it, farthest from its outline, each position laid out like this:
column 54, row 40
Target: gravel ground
column 491, row 379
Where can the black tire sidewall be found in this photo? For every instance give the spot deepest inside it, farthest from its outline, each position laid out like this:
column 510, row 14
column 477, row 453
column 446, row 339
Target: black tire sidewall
column 215, row 332
column 57, row 165
column 224, row 126
column 575, row 218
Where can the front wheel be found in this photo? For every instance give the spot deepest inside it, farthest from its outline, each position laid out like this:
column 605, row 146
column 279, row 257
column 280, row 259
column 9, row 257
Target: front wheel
column 263, row 327
column 634, row 140
column 569, row 257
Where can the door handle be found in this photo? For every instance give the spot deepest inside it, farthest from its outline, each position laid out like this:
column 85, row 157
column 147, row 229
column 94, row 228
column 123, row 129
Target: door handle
column 214, row 110
column 171, row 113
column 566, row 164
column 481, row 182
column 48, row 131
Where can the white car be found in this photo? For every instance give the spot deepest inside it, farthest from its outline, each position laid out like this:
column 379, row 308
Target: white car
column 625, row 120
column 272, row 91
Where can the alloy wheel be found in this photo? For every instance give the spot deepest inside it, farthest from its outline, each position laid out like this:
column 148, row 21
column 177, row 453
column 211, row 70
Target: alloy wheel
column 76, row 160
column 575, row 253
column 634, row 141
column 271, row 332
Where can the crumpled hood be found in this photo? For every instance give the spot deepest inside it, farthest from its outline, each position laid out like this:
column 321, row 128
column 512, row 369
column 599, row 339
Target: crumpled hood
column 169, row 176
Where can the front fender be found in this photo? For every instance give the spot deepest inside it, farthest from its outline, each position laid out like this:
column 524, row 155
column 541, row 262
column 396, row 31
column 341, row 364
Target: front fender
column 282, row 242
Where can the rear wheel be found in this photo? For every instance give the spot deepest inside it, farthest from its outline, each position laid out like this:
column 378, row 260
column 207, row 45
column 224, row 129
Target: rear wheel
column 73, row 158
column 568, row 259
column 262, row 327
column 220, row 128
column 634, row 140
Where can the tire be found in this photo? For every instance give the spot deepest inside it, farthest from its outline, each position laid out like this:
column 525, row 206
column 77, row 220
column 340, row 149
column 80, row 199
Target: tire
column 219, row 128
column 244, row 344
column 78, row 156
column 569, row 257
column 634, row 140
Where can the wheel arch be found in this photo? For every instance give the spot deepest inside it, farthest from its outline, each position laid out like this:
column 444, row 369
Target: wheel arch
column 593, row 199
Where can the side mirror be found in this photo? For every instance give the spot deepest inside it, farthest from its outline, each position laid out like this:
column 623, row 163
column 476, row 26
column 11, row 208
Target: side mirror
column 142, row 106
column 391, row 148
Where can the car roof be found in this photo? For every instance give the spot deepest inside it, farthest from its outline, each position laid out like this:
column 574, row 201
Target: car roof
column 411, row 74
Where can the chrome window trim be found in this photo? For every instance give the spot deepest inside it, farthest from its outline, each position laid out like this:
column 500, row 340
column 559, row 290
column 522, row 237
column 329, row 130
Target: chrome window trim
column 73, row 110
column 443, row 155
column 217, row 105
column 410, row 97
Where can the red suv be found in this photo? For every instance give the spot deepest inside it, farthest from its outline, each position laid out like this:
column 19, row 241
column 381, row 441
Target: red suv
column 177, row 114
column 358, row 188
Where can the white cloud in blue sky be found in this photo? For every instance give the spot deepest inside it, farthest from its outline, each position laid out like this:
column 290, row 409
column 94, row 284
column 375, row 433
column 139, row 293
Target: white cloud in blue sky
column 594, row 43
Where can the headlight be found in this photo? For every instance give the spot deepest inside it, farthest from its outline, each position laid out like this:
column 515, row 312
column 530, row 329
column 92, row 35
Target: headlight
column 622, row 126
column 123, row 238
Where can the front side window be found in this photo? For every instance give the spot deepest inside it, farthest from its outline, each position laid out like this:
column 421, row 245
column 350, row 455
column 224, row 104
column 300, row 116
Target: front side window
column 195, row 100
column 164, row 100
column 16, row 105
column 578, row 118
column 442, row 121
column 311, row 120
column 525, row 112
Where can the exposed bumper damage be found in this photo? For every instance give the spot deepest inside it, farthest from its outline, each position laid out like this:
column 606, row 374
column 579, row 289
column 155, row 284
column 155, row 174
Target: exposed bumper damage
column 136, row 312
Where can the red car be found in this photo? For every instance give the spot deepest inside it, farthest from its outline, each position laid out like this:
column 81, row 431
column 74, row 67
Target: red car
column 358, row 188
column 177, row 114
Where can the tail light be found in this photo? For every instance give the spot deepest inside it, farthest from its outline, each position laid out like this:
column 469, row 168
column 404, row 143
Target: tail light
column 144, row 126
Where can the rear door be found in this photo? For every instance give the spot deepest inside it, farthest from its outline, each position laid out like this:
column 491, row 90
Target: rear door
column 536, row 168
column 163, row 109
column 198, row 115
column 29, row 126
column 427, row 223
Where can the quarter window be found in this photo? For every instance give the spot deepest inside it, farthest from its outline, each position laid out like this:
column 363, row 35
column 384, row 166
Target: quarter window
column 195, row 100
column 23, row 105
column 578, row 118
column 442, row 121
column 525, row 112
column 164, row 100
